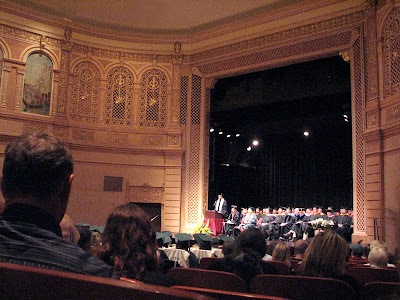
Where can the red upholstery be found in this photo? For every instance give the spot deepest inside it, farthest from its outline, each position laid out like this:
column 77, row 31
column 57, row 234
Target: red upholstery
column 300, row 287
column 380, row 290
column 281, row 267
column 365, row 275
column 225, row 295
column 208, row 279
column 206, row 262
column 22, row 282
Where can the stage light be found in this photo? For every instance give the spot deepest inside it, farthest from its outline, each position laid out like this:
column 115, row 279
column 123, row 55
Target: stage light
column 221, row 132
column 211, row 129
column 248, row 148
column 306, row 133
column 237, row 134
column 228, row 135
column 255, row 143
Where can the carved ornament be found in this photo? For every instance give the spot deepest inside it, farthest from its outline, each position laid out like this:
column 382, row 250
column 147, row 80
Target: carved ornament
column 33, row 126
column 83, row 135
column 145, row 194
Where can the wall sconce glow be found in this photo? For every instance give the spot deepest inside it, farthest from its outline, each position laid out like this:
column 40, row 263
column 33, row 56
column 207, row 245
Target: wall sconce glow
column 255, row 143
column 237, row 134
column 211, row 129
column 221, row 132
column 306, row 133
column 248, row 148
column 228, row 135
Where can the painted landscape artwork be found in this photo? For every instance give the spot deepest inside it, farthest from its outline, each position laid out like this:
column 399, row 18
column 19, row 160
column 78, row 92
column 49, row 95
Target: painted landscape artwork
column 37, row 84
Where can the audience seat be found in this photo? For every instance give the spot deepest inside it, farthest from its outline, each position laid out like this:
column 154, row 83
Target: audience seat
column 22, row 282
column 208, row 279
column 281, row 267
column 226, row 295
column 300, row 287
column 206, row 262
column 368, row 274
column 380, row 290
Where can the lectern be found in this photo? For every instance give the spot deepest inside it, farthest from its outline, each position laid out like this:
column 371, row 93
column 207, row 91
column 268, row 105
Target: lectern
column 215, row 221
column 212, row 214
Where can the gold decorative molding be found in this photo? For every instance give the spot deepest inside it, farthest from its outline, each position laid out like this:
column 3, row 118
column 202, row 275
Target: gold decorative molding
column 83, row 135
column 144, row 194
column 28, row 36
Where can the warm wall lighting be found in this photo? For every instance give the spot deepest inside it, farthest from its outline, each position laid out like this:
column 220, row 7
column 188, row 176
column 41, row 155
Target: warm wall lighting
column 255, row 143
column 237, row 134
column 248, row 148
column 221, row 132
column 228, row 135
column 211, row 129
column 306, row 133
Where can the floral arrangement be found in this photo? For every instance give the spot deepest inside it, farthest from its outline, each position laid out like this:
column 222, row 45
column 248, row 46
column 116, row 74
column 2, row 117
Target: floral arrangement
column 204, row 228
column 321, row 224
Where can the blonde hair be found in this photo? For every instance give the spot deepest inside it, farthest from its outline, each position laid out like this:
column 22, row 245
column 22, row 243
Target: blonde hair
column 377, row 244
column 378, row 257
column 281, row 253
column 325, row 256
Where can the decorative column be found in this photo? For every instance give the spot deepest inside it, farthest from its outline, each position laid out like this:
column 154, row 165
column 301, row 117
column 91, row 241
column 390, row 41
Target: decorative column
column 62, row 99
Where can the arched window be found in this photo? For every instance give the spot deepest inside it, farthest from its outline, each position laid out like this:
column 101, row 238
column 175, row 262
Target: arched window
column 153, row 98
column 38, row 81
column 119, row 97
column 85, row 93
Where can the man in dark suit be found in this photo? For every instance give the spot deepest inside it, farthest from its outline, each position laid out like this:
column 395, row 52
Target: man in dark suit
column 221, row 205
column 232, row 221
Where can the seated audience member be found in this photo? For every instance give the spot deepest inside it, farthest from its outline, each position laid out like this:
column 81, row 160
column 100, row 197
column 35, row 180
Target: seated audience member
column 129, row 245
column 378, row 258
column 68, row 229
column 282, row 253
column 246, row 259
column 326, row 257
column 356, row 254
column 300, row 247
column 228, row 248
column 270, row 250
column 85, row 238
column 36, row 182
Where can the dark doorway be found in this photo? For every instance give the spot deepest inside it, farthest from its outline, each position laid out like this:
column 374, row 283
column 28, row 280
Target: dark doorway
column 278, row 108
column 153, row 210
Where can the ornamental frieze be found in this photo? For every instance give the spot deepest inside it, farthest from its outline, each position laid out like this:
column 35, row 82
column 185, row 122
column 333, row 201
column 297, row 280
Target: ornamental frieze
column 151, row 141
column 83, row 135
column 34, row 126
column 336, row 23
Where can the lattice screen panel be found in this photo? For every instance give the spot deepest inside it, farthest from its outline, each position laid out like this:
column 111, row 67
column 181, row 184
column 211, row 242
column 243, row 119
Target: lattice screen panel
column 153, row 99
column 119, row 97
column 360, row 162
column 194, row 156
column 184, row 91
column 85, row 92
column 391, row 53
column 278, row 53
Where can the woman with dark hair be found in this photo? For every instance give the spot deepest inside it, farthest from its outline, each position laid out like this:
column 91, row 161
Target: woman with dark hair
column 326, row 257
column 129, row 244
column 246, row 259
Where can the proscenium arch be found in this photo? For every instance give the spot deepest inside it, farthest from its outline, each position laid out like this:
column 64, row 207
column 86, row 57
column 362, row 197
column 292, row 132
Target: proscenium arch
column 357, row 107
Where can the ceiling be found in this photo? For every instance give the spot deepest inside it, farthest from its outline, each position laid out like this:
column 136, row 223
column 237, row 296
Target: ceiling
column 154, row 16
